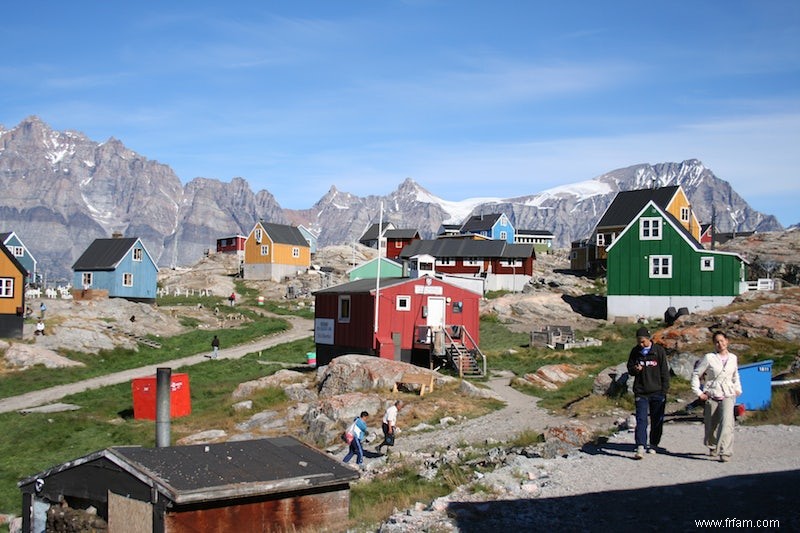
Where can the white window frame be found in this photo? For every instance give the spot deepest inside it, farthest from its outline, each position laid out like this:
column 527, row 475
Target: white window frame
column 660, row 266
column 398, row 244
column 17, row 251
column 258, row 235
column 503, row 235
column 510, row 263
column 138, row 254
column 127, row 279
column 706, row 264
column 446, row 261
column 684, row 214
column 650, row 228
column 295, row 252
column 601, row 239
column 342, row 307
column 265, row 249
column 86, row 279
column 6, row 287
column 403, row 303
column 472, row 262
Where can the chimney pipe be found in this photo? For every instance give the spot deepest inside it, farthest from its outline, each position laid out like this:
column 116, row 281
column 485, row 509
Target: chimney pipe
column 163, row 406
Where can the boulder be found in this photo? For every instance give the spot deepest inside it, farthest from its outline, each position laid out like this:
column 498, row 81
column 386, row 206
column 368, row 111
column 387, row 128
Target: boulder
column 299, row 392
column 613, row 380
column 24, row 356
column 279, row 378
column 351, row 373
column 551, row 377
column 471, row 390
column 203, row 437
column 682, row 364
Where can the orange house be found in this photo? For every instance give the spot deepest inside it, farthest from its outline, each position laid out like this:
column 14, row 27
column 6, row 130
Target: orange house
column 12, row 294
column 274, row 252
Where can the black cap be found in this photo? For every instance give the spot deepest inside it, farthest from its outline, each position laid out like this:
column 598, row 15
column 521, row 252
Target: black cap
column 642, row 332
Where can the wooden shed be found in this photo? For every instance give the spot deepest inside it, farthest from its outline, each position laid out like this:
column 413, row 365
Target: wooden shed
column 418, row 319
column 265, row 485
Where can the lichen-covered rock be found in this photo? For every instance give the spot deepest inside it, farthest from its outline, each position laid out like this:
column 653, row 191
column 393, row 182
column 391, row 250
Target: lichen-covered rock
column 351, row 373
column 20, row 355
column 279, row 378
column 551, row 377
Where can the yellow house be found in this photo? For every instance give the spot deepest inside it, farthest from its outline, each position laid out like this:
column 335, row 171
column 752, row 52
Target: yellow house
column 274, row 252
column 12, row 294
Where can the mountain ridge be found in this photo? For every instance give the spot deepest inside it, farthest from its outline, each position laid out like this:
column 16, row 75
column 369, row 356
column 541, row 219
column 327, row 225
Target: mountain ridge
column 62, row 190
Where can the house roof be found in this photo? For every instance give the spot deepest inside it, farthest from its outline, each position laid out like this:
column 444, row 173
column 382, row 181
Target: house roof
column 467, row 248
column 537, row 232
column 372, row 232
column 384, row 260
column 104, row 254
column 627, row 204
column 364, row 286
column 4, row 236
column 401, row 233
column 284, row 234
column 203, row 472
column 480, row 222
column 14, row 260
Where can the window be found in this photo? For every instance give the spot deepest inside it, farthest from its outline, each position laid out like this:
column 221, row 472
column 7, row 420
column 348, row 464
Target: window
column 295, row 252
column 707, row 264
column 660, row 266
column 398, row 244
column 265, row 249
column 573, row 255
column 127, row 279
column 6, row 287
column 458, row 307
column 601, row 239
column 472, row 262
column 137, row 254
column 257, row 235
column 86, row 279
column 503, row 235
column 18, row 251
column 425, row 266
column 446, row 261
column 650, row 229
column 344, row 308
column 684, row 214
column 403, row 303
column 510, row 263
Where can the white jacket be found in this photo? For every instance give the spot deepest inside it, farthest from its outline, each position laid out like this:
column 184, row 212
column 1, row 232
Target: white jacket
column 722, row 381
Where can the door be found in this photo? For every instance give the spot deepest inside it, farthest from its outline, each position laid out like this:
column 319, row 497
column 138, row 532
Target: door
column 436, row 313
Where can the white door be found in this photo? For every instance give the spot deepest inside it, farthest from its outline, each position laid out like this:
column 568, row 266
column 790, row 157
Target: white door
column 436, row 312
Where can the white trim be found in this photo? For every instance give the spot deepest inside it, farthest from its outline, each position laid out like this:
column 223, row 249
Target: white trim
column 403, row 303
column 706, row 264
column 660, row 266
column 265, row 249
column 339, row 315
column 128, row 275
column 6, row 287
column 651, row 228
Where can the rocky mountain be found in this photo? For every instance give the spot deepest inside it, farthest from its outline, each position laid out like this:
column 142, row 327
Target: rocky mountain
column 61, row 190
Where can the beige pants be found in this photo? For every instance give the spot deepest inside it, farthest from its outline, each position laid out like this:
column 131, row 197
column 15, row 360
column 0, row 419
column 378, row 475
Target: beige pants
column 718, row 418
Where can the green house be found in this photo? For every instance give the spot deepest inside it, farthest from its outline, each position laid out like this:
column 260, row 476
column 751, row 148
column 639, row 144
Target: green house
column 369, row 270
column 655, row 264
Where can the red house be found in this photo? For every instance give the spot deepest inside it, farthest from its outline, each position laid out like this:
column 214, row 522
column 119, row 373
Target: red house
column 420, row 321
column 231, row 245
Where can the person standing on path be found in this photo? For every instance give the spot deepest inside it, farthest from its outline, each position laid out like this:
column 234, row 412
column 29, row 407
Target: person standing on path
column 215, row 347
column 389, row 425
column 648, row 365
column 232, row 299
column 42, row 310
column 722, row 386
column 358, row 429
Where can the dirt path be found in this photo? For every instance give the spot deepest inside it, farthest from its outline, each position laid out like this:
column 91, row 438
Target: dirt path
column 300, row 329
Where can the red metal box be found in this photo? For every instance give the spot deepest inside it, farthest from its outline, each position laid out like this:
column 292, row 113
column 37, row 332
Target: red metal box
column 144, row 397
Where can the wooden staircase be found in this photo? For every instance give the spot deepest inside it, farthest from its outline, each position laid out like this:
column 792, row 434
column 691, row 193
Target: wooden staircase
column 137, row 338
column 464, row 354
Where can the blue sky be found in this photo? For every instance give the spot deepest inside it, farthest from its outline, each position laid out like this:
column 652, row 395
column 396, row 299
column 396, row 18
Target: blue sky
column 470, row 99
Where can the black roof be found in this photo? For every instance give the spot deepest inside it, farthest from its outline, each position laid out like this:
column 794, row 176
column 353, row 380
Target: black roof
column 401, row 233
column 480, row 222
column 467, row 248
column 362, row 285
column 202, row 472
column 284, row 234
column 627, row 204
column 540, row 232
column 104, row 254
column 4, row 236
column 372, row 232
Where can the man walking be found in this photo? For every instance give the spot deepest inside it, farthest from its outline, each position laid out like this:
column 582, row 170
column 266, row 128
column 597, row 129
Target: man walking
column 648, row 365
column 389, row 425
column 215, row 347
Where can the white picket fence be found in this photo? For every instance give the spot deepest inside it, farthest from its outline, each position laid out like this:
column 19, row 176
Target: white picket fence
column 182, row 291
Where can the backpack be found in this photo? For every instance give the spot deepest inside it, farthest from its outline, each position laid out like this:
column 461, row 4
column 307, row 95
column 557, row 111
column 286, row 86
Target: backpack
column 349, row 433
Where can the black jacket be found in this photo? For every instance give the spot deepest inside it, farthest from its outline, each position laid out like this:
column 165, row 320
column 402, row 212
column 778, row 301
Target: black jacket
column 654, row 377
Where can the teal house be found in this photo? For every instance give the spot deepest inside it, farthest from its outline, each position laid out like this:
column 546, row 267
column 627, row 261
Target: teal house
column 655, row 264
column 369, row 269
column 21, row 253
column 121, row 266
column 310, row 237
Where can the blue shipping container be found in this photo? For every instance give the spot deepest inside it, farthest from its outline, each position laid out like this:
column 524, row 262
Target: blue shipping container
column 756, row 381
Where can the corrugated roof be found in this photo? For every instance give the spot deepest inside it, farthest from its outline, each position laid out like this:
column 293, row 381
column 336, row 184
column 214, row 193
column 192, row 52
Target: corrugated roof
column 401, row 233
column 480, row 223
column 104, row 254
column 362, row 285
column 467, row 248
column 627, row 204
column 541, row 232
column 284, row 234
column 187, row 474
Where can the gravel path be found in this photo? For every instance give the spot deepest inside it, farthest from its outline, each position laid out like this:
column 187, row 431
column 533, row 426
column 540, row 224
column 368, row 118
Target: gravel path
column 300, row 329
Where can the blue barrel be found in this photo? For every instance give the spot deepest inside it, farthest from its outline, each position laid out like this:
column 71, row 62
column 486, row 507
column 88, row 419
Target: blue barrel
column 756, row 381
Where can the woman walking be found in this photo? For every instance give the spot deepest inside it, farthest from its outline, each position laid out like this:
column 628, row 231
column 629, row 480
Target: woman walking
column 719, row 393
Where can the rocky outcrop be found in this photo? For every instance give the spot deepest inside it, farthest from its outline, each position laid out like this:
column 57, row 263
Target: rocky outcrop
column 351, row 373
column 278, row 379
column 551, row 377
column 22, row 356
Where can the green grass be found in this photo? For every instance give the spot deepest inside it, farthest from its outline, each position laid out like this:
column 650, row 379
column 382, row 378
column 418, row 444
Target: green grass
column 109, row 361
column 35, row 442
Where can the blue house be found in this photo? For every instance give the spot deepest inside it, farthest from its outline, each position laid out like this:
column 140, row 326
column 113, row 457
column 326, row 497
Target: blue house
column 121, row 266
column 310, row 237
column 20, row 253
column 493, row 226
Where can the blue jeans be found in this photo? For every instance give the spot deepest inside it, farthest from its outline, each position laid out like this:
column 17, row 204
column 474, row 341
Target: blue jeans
column 357, row 450
column 651, row 406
